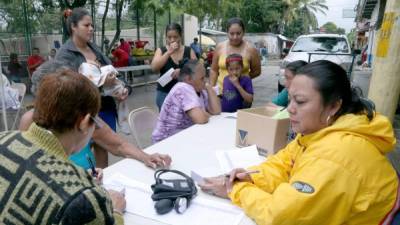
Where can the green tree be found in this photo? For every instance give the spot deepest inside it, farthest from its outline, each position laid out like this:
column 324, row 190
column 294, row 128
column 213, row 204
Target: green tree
column 300, row 17
column 340, row 30
column 331, row 27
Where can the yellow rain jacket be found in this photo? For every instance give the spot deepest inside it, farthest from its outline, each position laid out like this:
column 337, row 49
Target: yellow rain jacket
column 338, row 175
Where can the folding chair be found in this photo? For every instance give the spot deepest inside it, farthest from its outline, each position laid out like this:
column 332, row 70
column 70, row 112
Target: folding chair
column 21, row 92
column 142, row 122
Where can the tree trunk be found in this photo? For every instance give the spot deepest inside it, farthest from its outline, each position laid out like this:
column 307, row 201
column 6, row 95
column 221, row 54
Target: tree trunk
column 103, row 25
column 118, row 6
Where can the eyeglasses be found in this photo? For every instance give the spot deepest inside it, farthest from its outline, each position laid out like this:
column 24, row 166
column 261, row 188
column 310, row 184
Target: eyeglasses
column 97, row 122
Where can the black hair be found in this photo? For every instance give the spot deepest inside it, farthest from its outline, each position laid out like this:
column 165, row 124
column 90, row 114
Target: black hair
column 332, row 83
column 121, row 40
column 235, row 20
column 188, row 68
column 195, row 39
column 76, row 16
column 295, row 66
column 13, row 55
column 234, row 55
column 174, row 26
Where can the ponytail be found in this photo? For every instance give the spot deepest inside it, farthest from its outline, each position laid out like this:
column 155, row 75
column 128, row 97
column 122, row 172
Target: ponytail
column 358, row 105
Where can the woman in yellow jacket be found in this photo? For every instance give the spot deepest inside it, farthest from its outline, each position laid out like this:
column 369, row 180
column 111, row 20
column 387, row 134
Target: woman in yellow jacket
column 334, row 172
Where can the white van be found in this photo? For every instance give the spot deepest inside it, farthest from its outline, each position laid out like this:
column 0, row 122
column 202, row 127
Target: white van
column 332, row 47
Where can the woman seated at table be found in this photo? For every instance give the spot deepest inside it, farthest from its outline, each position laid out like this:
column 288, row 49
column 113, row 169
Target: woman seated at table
column 189, row 102
column 282, row 99
column 334, row 172
column 41, row 185
column 103, row 135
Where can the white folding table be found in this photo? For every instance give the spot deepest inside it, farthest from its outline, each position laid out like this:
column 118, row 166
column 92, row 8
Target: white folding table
column 191, row 149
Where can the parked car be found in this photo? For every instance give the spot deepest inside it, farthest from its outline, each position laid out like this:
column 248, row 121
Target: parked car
column 313, row 47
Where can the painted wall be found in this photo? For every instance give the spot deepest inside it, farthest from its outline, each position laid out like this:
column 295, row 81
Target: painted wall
column 190, row 26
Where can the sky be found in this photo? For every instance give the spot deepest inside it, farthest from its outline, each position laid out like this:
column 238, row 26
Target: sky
column 334, row 14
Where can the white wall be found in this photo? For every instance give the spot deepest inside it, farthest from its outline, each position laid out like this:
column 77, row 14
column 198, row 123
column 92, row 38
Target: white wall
column 190, row 27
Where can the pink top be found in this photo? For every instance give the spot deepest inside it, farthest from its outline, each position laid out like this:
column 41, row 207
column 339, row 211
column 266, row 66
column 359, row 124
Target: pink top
column 173, row 117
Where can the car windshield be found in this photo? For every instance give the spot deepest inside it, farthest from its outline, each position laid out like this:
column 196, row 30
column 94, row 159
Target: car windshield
column 321, row 44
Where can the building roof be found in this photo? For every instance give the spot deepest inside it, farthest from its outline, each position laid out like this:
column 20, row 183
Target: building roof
column 365, row 9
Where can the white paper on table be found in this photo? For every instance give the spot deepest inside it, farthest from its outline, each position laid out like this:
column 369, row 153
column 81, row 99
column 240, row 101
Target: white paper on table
column 238, row 158
column 166, row 77
column 201, row 210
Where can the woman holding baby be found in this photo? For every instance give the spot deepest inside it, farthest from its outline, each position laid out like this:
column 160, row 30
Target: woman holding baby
column 79, row 49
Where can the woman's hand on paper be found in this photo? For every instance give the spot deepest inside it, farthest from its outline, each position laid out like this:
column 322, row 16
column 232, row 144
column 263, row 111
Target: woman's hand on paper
column 99, row 177
column 118, row 201
column 215, row 186
column 175, row 74
column 235, row 175
column 221, row 186
column 157, row 160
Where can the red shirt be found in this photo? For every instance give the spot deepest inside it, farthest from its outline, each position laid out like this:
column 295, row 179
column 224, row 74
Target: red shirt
column 210, row 56
column 34, row 61
column 126, row 47
column 121, row 58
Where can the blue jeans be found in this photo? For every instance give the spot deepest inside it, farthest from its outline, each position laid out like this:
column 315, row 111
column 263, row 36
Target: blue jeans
column 160, row 97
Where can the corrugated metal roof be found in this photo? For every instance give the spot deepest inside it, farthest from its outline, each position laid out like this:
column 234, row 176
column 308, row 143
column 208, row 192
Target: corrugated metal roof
column 365, row 8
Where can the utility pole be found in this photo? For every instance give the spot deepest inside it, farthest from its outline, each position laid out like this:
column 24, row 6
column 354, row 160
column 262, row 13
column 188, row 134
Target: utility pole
column 384, row 87
column 28, row 40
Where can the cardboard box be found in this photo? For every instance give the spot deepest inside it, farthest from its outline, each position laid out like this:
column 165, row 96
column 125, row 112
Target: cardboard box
column 256, row 126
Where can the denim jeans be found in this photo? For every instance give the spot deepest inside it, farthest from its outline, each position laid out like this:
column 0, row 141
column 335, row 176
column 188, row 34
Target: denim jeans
column 160, row 97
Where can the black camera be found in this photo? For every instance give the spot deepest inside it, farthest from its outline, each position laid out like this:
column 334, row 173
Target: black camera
column 172, row 193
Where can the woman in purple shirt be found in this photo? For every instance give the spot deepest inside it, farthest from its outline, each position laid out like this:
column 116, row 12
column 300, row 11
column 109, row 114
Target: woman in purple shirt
column 189, row 102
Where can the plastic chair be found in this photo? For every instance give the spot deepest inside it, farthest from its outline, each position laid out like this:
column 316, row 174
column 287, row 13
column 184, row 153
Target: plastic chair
column 21, row 91
column 142, row 122
column 13, row 114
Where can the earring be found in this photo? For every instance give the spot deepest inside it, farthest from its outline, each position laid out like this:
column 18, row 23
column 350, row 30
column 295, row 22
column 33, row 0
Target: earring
column 327, row 119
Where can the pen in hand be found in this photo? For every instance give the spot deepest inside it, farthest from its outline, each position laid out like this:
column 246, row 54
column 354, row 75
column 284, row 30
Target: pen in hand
column 244, row 173
column 94, row 173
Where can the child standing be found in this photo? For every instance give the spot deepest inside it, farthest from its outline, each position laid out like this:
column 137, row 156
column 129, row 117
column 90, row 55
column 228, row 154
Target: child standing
column 237, row 91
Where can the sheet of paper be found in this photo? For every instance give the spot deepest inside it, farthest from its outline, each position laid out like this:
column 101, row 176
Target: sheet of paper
column 197, row 177
column 166, row 77
column 238, row 158
column 201, row 210
column 281, row 114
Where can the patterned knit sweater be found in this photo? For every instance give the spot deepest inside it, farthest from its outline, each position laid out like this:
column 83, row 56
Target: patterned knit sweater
column 38, row 185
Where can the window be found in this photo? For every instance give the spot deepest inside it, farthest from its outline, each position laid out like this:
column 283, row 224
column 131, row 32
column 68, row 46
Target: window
column 321, row 44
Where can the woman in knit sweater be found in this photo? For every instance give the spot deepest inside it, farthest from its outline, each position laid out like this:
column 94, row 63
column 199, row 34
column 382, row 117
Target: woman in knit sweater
column 38, row 182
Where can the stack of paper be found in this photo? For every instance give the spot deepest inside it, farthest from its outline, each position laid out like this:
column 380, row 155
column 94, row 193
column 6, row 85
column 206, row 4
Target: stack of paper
column 166, row 77
column 281, row 114
column 238, row 158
